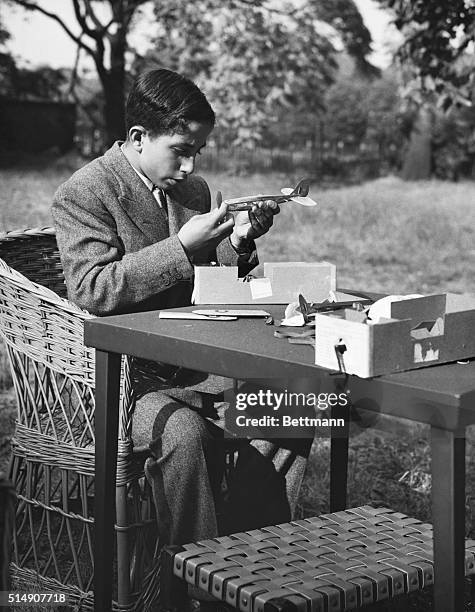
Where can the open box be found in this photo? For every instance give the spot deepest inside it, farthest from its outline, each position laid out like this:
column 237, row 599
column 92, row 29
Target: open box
column 281, row 284
column 421, row 332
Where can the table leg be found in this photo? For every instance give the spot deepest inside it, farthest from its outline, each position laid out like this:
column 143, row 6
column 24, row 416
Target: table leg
column 448, row 511
column 106, row 433
column 339, row 459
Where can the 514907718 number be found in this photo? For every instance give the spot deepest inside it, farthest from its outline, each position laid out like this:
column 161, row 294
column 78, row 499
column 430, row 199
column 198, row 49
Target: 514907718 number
column 28, row 598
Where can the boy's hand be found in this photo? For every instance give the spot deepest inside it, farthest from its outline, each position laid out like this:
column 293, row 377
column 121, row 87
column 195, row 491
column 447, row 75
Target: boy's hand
column 255, row 223
column 206, row 231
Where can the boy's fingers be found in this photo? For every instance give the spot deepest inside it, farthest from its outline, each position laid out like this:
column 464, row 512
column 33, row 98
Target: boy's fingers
column 273, row 206
column 226, row 227
column 264, row 215
column 257, row 222
column 269, row 205
column 258, row 206
column 221, row 211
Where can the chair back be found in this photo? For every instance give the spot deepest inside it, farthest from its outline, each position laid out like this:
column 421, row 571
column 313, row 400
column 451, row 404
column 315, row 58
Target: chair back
column 34, row 253
column 52, row 370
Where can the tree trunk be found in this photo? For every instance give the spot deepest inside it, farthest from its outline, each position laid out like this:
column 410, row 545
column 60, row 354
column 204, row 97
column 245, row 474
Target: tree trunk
column 114, row 115
column 113, row 84
column 417, row 162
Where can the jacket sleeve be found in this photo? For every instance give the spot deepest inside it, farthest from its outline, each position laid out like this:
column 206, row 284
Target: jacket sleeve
column 244, row 260
column 100, row 276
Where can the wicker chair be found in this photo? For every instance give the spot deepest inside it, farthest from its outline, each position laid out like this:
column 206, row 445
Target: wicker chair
column 53, row 450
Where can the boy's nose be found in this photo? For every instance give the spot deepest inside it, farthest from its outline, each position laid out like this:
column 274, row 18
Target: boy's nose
column 188, row 165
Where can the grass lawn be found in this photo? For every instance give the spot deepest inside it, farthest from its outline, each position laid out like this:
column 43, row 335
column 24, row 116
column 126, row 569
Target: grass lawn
column 384, row 235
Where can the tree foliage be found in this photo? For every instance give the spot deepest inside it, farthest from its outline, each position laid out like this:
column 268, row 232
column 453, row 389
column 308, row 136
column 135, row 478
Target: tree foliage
column 4, row 34
column 453, row 142
column 252, row 59
column 366, row 116
column 42, row 83
column 7, row 63
column 345, row 17
column 435, row 54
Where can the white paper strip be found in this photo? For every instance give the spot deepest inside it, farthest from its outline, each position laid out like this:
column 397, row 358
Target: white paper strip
column 193, row 316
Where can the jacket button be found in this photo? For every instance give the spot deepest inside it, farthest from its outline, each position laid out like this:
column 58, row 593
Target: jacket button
column 165, row 276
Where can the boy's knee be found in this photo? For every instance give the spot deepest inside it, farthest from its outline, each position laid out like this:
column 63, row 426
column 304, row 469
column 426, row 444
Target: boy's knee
column 183, row 431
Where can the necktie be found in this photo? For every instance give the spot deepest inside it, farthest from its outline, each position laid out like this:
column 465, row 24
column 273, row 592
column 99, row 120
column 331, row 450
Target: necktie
column 161, row 198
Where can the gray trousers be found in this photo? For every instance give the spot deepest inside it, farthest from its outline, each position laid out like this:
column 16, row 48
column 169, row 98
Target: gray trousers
column 187, row 463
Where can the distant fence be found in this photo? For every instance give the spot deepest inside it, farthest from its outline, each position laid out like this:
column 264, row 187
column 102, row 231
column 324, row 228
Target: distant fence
column 322, row 164
column 90, row 141
column 329, row 162
column 31, row 127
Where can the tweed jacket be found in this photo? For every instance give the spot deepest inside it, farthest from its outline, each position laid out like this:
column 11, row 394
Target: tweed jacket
column 120, row 252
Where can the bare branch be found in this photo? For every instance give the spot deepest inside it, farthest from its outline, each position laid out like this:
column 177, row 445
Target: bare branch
column 108, row 24
column 81, row 19
column 98, row 54
column 31, row 6
column 90, row 13
column 74, row 72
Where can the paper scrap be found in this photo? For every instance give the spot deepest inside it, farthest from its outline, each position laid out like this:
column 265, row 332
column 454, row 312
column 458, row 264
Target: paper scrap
column 291, row 309
column 296, row 320
column 260, row 288
column 292, row 316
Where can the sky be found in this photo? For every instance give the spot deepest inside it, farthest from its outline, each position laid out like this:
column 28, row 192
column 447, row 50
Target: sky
column 36, row 39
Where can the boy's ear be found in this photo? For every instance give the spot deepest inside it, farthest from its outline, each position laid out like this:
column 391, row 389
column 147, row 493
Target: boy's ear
column 135, row 136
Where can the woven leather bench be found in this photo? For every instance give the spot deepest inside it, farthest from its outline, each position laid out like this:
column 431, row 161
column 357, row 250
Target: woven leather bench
column 334, row 562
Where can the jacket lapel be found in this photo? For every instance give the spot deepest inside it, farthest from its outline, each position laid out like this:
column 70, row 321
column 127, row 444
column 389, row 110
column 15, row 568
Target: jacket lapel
column 183, row 202
column 178, row 214
column 135, row 198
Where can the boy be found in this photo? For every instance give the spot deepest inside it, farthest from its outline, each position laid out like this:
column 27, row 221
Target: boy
column 130, row 226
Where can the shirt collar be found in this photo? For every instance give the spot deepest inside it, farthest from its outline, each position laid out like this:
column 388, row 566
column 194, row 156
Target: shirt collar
column 144, row 178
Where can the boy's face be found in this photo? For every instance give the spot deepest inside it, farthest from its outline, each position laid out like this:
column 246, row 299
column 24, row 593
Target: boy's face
column 169, row 158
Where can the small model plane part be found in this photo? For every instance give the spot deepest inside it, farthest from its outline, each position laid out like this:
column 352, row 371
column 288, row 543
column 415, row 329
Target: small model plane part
column 310, row 309
column 298, row 194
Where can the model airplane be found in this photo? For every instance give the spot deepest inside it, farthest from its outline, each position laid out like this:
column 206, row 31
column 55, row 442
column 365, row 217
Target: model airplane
column 309, row 309
column 298, row 194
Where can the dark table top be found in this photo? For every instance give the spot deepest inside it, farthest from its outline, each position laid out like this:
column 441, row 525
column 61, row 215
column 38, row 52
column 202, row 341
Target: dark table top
column 442, row 395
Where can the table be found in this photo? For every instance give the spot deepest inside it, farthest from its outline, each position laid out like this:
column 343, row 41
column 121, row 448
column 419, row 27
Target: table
column 441, row 396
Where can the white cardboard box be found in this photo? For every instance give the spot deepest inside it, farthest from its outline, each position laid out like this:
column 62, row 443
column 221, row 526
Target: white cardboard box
column 281, row 284
column 421, row 332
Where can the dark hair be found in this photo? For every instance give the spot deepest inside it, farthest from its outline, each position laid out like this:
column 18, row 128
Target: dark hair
column 164, row 102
